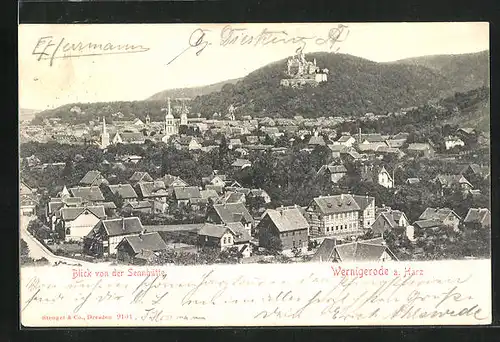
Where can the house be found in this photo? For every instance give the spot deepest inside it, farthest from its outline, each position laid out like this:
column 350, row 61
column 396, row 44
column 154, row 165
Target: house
column 234, row 143
column 478, row 216
column 75, row 223
column 138, row 122
column 316, row 140
column 452, row 182
column 475, row 170
column 185, row 195
column 230, row 213
column 466, row 133
column 209, row 194
column 373, row 250
column 377, row 174
column 217, row 188
column 420, row 150
column 252, row 139
column 395, row 143
column 103, row 239
column 141, row 206
column 27, row 199
column 334, row 172
column 190, row 143
column 453, row 141
column 390, row 151
column 155, row 192
column 367, row 210
column 128, row 138
column 370, row 138
column 287, row 224
column 225, row 236
column 138, row 249
column 93, row 178
column 218, row 180
column 388, row 219
column 444, row 216
column 125, row 191
column 259, row 193
column 241, row 164
column 140, row 176
column 232, row 197
column 384, row 178
column 345, row 140
column 412, row 180
column 172, row 181
column 88, row 194
column 334, row 216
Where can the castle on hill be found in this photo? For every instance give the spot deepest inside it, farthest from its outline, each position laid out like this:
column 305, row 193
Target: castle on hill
column 301, row 71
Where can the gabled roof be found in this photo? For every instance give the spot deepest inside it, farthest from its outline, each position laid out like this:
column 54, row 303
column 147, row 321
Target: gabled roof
column 138, row 204
column 476, row 215
column 92, row 193
column 213, row 230
column 439, row 214
column 216, row 188
column 233, row 197
column 140, row 176
column 333, row 169
column 186, row 193
column 232, row 212
column 372, row 137
column 317, row 140
column 90, row 177
column 423, row 224
column 109, row 205
column 123, row 190
column 363, row 201
column 153, row 189
column 170, row 180
column 337, row 148
column 209, row 194
column 131, row 136
column 258, row 193
column 120, row 226
column 145, row 242
column 345, row 138
column 419, row 147
column 241, row 163
column 395, row 143
column 336, row 204
column 368, row 250
column 287, row 219
column 450, row 180
column 240, row 234
column 70, row 214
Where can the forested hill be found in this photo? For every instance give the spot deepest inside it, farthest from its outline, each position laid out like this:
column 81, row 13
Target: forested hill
column 190, row 92
column 464, row 72
column 355, row 86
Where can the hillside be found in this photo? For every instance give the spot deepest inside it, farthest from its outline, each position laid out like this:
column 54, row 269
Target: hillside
column 190, row 92
column 355, row 86
column 464, row 72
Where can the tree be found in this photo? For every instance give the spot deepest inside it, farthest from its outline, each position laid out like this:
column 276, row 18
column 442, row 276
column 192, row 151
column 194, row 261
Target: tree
column 23, row 248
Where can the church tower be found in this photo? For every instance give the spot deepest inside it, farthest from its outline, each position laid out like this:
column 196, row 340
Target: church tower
column 104, row 134
column 184, row 118
column 170, row 123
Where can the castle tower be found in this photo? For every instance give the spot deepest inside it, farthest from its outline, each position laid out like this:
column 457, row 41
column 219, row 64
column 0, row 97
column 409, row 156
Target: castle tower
column 104, row 134
column 184, row 118
column 170, row 124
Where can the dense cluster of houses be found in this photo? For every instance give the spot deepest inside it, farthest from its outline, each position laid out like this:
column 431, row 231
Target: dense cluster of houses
column 82, row 214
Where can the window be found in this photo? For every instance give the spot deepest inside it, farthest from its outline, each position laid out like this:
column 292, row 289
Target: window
column 336, row 227
column 293, row 233
column 293, row 242
column 68, row 231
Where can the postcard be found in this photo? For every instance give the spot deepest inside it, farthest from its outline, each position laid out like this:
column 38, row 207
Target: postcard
column 292, row 174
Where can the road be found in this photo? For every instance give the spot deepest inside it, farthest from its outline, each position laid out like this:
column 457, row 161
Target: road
column 38, row 251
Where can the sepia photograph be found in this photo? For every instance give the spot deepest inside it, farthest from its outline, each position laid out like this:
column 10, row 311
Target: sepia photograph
column 152, row 147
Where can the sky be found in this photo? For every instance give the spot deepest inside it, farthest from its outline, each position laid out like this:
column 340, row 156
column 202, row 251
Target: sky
column 153, row 66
